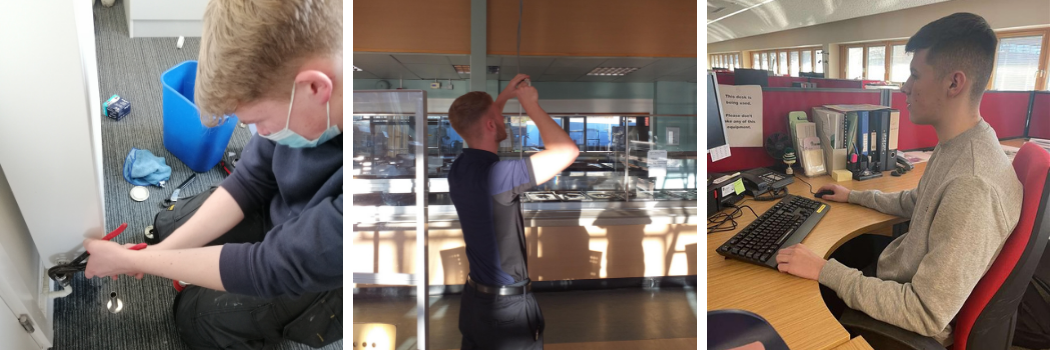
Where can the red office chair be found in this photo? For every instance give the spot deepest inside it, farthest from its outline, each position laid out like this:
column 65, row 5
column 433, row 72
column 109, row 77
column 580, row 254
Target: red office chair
column 988, row 317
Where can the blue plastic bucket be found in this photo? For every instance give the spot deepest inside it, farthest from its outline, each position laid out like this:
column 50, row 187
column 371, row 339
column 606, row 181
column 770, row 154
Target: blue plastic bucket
column 185, row 136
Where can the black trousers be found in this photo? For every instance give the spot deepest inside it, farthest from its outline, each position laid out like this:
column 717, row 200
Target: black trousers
column 862, row 253
column 500, row 322
column 211, row 319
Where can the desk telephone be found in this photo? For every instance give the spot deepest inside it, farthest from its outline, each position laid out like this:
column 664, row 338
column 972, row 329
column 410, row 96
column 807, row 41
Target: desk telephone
column 758, row 182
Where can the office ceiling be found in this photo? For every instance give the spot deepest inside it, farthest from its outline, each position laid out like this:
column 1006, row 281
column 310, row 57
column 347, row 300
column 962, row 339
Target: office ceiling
column 733, row 19
column 540, row 69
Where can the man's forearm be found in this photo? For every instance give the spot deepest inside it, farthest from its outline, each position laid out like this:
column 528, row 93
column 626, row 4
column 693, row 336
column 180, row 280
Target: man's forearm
column 552, row 134
column 216, row 216
column 199, row 266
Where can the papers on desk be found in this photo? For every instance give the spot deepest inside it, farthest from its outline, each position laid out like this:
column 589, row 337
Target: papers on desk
column 1044, row 143
column 918, row 157
column 1010, row 152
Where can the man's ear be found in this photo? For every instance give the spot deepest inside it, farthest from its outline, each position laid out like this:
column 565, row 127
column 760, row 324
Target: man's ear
column 315, row 84
column 956, row 83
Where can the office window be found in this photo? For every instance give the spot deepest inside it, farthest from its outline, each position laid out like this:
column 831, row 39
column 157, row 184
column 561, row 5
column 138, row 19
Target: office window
column 755, row 62
column 807, row 61
column 794, row 63
column 900, row 64
column 783, row 61
column 855, row 63
column 1017, row 63
column 736, row 62
column 876, row 63
column 765, row 61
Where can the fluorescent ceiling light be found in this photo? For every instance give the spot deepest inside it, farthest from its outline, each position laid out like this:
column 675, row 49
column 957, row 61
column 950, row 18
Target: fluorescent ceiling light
column 734, row 13
column 613, row 71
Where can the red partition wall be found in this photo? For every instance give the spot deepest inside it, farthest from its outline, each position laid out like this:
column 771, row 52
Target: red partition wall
column 775, row 108
column 1039, row 126
column 837, row 83
column 725, row 78
column 786, row 81
column 1006, row 112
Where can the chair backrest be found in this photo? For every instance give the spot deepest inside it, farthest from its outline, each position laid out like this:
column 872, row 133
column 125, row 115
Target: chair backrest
column 986, row 320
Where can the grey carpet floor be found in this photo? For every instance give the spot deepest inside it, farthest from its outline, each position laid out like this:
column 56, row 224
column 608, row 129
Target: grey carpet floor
column 131, row 68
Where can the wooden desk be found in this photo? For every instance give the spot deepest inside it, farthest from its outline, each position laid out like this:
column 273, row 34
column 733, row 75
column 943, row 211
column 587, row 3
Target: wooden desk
column 791, row 304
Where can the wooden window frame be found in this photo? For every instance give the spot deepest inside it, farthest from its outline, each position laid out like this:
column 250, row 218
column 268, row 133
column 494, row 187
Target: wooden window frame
column 724, row 59
column 887, row 61
column 773, row 55
column 1044, row 62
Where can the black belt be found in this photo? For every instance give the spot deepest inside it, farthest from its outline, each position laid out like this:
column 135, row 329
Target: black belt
column 503, row 290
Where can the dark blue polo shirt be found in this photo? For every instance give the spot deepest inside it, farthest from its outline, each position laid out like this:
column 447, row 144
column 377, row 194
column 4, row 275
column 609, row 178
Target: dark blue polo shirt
column 485, row 193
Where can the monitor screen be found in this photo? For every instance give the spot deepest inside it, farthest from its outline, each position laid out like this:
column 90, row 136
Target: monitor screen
column 716, row 132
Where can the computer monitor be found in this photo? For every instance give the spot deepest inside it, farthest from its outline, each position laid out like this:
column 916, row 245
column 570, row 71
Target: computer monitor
column 751, row 77
column 716, row 126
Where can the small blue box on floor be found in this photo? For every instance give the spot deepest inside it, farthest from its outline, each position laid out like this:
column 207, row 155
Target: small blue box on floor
column 116, row 107
column 185, row 136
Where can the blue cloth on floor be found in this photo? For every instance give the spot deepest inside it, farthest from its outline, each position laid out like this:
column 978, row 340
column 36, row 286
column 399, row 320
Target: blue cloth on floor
column 142, row 168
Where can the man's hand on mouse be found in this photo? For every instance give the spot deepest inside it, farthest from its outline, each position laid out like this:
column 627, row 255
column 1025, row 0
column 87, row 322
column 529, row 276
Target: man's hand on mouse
column 841, row 194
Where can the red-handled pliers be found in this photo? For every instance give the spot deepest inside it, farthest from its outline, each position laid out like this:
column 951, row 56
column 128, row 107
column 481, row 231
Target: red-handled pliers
column 62, row 273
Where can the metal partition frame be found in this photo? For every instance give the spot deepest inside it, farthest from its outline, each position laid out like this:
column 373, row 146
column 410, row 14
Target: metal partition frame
column 420, row 279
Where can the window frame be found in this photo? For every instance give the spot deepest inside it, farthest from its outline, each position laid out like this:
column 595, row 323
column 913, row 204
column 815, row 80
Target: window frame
column 774, row 56
column 887, row 61
column 725, row 59
column 1044, row 61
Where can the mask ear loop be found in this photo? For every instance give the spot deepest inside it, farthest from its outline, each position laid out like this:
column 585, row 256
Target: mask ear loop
column 288, row 122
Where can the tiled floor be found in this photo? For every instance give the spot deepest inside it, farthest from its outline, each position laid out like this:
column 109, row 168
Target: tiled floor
column 571, row 317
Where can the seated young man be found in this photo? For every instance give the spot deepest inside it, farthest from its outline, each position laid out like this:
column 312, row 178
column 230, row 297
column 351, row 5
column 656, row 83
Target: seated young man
column 278, row 65
column 967, row 203
column 497, row 311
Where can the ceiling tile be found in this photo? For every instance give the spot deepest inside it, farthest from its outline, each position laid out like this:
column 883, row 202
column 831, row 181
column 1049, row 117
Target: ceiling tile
column 494, row 60
column 557, row 78
column 433, row 71
column 508, row 72
column 459, row 59
column 577, row 62
column 422, row 59
column 365, row 75
column 566, row 70
column 535, row 61
column 638, row 62
column 594, row 78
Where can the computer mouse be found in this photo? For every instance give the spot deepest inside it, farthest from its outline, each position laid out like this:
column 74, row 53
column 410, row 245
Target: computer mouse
column 821, row 194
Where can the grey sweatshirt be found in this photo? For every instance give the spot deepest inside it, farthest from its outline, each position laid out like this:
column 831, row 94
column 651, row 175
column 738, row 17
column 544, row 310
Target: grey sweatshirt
column 967, row 203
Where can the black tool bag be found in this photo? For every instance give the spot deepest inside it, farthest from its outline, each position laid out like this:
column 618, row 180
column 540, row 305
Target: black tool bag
column 170, row 218
column 1033, row 315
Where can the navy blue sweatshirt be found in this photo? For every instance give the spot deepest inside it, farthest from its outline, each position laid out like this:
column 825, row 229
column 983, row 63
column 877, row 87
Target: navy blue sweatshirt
column 303, row 190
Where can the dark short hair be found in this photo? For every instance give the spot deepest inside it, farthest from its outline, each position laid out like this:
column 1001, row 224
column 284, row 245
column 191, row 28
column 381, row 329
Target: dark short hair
column 466, row 110
column 961, row 41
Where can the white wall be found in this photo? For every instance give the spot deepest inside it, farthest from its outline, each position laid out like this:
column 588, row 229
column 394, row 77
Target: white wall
column 165, row 18
column 47, row 140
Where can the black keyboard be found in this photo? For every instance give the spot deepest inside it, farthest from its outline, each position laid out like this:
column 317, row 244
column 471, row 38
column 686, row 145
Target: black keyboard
column 783, row 225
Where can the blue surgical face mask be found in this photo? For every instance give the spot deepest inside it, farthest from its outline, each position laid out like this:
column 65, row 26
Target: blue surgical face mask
column 291, row 139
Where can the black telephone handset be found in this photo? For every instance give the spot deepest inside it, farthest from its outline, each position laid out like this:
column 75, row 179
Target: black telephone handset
column 904, row 163
column 764, row 184
column 754, row 183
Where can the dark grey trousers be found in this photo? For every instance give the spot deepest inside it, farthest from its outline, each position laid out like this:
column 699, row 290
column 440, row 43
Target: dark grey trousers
column 500, row 322
column 210, row 319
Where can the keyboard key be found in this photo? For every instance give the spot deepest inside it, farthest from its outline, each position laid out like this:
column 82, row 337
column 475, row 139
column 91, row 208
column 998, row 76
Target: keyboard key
column 764, row 257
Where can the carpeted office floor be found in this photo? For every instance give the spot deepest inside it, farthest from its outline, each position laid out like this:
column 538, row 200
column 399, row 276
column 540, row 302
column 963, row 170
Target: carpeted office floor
column 131, row 68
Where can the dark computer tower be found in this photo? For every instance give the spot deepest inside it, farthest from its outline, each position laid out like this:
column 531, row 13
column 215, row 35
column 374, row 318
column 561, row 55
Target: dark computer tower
column 751, row 77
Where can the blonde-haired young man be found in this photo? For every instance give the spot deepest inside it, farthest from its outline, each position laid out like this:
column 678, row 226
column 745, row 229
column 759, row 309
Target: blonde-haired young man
column 276, row 64
column 497, row 310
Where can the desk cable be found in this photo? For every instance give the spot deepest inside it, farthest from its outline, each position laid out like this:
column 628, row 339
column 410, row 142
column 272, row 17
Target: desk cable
column 717, row 221
column 807, row 184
